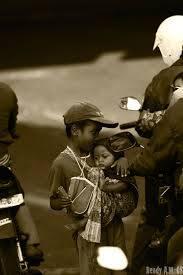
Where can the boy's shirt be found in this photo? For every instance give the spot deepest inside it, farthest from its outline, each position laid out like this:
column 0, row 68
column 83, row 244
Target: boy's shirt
column 61, row 172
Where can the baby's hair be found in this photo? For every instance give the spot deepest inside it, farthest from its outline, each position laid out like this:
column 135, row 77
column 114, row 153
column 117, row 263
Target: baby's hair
column 105, row 142
column 179, row 76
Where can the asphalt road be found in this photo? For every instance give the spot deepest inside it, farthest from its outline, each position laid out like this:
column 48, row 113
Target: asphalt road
column 45, row 92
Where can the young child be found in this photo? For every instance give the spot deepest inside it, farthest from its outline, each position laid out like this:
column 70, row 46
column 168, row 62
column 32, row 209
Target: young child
column 83, row 123
column 122, row 190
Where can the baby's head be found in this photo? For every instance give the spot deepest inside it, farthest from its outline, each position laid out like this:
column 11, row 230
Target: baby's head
column 178, row 81
column 177, row 89
column 103, row 154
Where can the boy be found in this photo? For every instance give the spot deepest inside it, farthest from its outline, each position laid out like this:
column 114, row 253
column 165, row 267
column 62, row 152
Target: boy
column 83, row 123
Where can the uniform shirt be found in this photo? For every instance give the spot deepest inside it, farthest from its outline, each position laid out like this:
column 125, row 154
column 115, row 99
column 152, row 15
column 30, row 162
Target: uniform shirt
column 158, row 91
column 165, row 147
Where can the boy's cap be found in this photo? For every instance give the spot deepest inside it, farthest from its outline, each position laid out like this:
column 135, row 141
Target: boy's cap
column 86, row 111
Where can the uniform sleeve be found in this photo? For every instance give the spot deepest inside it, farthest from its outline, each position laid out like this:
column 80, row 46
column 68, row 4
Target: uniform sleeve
column 159, row 153
column 158, row 91
column 13, row 118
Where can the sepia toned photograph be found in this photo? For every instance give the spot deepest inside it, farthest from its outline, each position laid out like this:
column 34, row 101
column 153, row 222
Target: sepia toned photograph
column 91, row 137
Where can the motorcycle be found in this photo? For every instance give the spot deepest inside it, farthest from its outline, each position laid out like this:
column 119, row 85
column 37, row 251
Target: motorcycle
column 12, row 260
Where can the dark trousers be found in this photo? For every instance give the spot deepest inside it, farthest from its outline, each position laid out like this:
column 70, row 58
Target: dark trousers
column 144, row 257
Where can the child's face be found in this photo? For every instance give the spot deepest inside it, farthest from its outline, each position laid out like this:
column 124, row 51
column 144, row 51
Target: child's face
column 102, row 157
column 87, row 135
column 178, row 91
column 178, row 82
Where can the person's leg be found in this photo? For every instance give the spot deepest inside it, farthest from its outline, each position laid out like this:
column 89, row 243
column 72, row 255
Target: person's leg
column 88, row 258
column 77, row 225
column 26, row 225
column 85, row 260
column 29, row 236
column 141, row 256
column 175, row 245
column 116, row 237
column 88, row 253
column 9, row 263
column 172, row 224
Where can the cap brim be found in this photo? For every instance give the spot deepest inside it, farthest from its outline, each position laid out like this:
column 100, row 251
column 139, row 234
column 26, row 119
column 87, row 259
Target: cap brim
column 105, row 122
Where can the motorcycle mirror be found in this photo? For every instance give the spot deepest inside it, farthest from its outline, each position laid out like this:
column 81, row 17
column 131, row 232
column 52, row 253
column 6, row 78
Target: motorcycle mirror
column 112, row 257
column 122, row 141
column 130, row 103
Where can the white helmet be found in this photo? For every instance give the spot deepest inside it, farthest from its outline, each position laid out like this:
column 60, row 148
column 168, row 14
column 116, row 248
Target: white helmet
column 169, row 39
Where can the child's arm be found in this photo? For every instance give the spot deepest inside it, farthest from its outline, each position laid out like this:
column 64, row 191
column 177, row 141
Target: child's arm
column 115, row 187
column 58, row 202
column 59, row 199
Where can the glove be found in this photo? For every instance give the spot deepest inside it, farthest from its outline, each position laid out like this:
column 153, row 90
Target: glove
column 144, row 128
column 33, row 255
column 145, row 124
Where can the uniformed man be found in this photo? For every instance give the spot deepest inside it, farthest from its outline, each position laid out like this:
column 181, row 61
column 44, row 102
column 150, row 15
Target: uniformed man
column 163, row 147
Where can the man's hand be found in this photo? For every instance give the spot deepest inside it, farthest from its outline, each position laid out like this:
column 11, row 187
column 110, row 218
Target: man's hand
column 33, row 255
column 145, row 125
column 121, row 166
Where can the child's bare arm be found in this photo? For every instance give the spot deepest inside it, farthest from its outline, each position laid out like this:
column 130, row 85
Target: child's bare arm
column 115, row 187
column 59, row 202
column 59, row 199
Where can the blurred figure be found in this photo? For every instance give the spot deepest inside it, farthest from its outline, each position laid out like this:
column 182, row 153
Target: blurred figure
column 8, row 118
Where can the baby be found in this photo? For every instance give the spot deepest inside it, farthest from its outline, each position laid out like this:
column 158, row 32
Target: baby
column 122, row 190
column 119, row 195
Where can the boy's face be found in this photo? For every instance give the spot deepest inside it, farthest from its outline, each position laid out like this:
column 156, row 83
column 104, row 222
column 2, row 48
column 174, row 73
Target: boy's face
column 102, row 157
column 87, row 135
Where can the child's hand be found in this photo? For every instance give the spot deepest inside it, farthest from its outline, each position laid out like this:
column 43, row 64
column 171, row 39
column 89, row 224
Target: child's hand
column 101, row 179
column 104, row 188
column 121, row 166
column 64, row 202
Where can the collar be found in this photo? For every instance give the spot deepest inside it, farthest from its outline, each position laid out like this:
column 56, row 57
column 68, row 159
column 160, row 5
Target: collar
column 85, row 157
